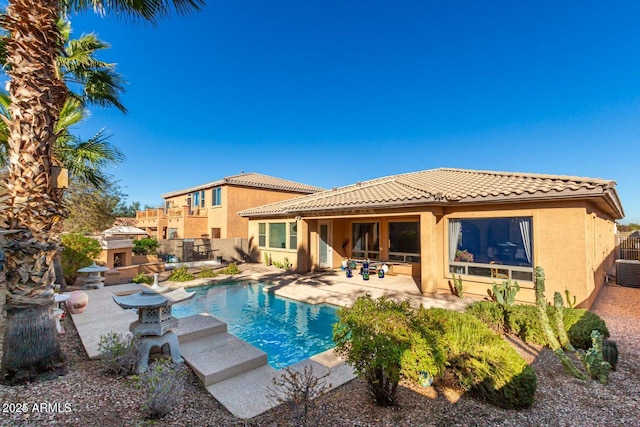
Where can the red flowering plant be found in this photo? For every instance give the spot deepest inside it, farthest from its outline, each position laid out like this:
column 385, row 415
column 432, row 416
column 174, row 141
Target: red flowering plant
column 464, row 256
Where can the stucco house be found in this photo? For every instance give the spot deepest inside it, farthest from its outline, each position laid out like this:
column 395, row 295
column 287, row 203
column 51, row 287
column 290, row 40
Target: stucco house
column 484, row 226
column 211, row 209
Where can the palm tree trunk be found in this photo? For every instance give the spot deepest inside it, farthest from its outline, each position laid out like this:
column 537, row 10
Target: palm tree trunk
column 32, row 211
column 30, row 346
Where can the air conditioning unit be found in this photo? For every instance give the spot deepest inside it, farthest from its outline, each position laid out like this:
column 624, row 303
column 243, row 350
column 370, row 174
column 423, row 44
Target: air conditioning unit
column 628, row 273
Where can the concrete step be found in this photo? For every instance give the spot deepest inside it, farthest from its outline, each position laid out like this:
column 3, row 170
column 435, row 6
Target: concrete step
column 221, row 356
column 198, row 326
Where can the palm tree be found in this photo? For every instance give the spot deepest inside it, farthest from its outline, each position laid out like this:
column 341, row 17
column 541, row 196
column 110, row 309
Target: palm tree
column 85, row 160
column 32, row 211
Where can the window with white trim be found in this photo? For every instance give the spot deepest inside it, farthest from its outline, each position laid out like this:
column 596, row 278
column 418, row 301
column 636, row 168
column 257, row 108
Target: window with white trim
column 278, row 235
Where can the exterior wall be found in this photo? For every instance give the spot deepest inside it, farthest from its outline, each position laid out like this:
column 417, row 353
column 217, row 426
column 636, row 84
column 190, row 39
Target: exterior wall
column 572, row 241
column 572, row 244
column 237, row 199
column 278, row 255
column 194, row 222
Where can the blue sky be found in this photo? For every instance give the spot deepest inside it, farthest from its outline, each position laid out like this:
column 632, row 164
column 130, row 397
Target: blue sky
column 337, row 91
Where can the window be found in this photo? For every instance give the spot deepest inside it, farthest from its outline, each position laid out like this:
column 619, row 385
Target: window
column 491, row 247
column 262, row 234
column 366, row 240
column 404, row 241
column 198, row 199
column 293, row 235
column 173, row 233
column 202, row 199
column 167, row 206
column 215, row 233
column 277, row 235
column 216, row 196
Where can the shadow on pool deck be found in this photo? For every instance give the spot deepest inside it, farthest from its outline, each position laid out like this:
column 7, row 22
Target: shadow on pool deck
column 234, row 372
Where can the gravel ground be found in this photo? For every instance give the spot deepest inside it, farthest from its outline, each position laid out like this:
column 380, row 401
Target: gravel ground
column 85, row 397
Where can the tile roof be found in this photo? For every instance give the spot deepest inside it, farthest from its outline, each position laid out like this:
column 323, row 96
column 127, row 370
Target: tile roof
column 251, row 179
column 446, row 186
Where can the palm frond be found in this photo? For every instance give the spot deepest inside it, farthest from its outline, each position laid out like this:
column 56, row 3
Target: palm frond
column 149, row 10
column 86, row 160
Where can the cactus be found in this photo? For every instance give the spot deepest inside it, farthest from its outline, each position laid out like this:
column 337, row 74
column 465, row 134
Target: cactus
column 456, row 289
column 505, row 293
column 562, row 332
column 593, row 361
column 568, row 295
column 541, row 304
column 610, row 353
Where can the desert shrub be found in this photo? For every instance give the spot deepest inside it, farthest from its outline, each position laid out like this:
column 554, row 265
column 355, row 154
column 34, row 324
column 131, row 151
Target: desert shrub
column 299, row 390
column 206, row 273
column 180, row 274
column 383, row 343
column 492, row 314
column 523, row 320
column 145, row 246
column 480, row 361
column 119, row 354
column 580, row 323
column 78, row 251
column 230, row 269
column 142, row 278
column 162, row 386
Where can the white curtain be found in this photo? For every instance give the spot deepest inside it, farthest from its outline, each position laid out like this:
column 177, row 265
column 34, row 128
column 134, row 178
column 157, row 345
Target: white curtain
column 455, row 228
column 525, row 232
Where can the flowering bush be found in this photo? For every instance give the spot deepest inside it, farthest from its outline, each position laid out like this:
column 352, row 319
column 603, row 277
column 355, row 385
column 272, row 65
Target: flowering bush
column 464, row 256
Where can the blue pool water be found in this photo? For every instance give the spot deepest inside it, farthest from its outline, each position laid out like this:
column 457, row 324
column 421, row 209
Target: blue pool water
column 288, row 331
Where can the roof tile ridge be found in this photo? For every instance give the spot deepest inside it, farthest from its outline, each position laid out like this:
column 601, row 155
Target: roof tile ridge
column 534, row 175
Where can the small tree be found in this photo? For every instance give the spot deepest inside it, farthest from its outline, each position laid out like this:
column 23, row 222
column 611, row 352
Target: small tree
column 78, row 251
column 146, row 246
column 383, row 342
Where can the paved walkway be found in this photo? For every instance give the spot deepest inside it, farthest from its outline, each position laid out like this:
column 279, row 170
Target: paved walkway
column 213, row 353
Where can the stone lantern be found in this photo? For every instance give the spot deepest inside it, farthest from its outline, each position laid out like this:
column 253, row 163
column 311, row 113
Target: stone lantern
column 155, row 320
column 95, row 280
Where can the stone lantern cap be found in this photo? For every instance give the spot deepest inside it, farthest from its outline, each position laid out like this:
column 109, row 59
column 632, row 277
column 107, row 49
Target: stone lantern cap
column 93, row 268
column 154, row 310
column 149, row 300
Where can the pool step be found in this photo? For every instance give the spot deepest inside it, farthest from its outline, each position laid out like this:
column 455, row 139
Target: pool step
column 198, row 326
column 221, row 356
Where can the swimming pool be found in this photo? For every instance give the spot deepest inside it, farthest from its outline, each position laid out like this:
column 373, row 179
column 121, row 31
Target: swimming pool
column 288, row 331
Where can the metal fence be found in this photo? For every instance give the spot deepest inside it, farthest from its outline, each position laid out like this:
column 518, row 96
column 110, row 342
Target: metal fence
column 629, row 247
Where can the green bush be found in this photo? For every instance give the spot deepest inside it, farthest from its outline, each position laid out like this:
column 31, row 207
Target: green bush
column 206, row 273
column 383, row 343
column 580, row 323
column 523, row 320
column 145, row 246
column 480, row 361
column 492, row 314
column 78, row 251
column 142, row 278
column 119, row 354
column 230, row 269
column 181, row 274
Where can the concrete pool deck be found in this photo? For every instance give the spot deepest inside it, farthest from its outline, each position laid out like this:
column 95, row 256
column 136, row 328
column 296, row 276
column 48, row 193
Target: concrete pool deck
column 234, row 372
